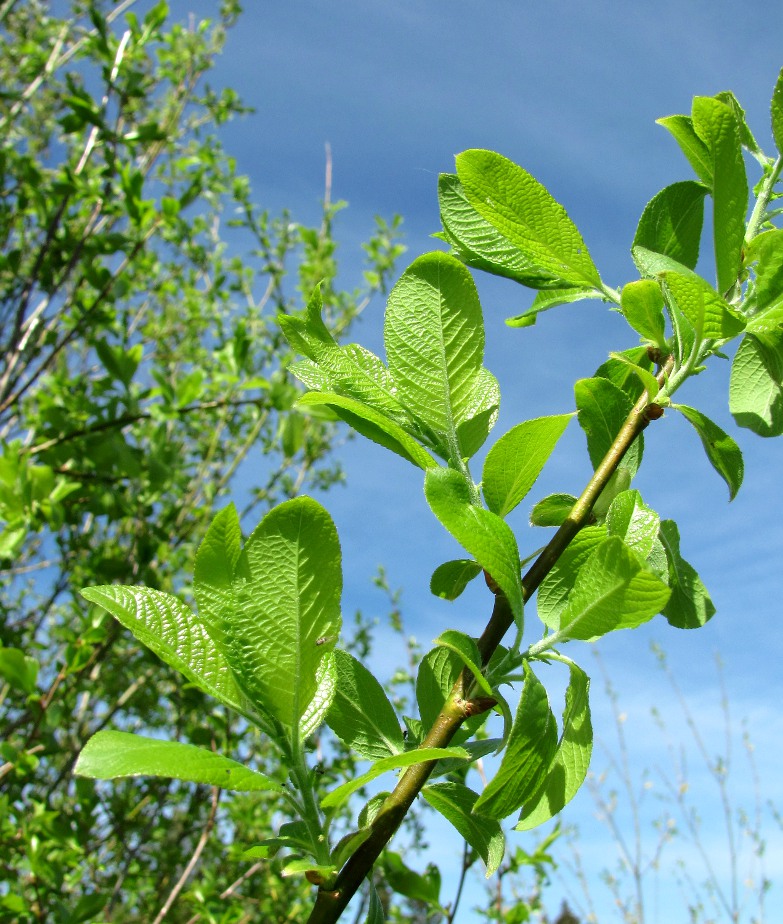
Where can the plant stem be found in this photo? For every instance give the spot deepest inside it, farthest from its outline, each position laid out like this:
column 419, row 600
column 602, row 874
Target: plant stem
column 331, row 903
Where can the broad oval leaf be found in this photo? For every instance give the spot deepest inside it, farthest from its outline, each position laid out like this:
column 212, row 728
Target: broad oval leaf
column 172, row 631
column 642, row 305
column 434, row 336
column 552, row 510
column 522, row 209
column 602, row 410
column 516, row 460
column 756, row 385
column 361, row 714
column 112, row 754
column 452, row 577
column 690, row 605
column 634, row 522
column 671, row 223
column 287, row 615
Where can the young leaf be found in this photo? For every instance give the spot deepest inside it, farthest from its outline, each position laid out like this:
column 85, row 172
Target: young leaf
column 350, row 370
column 287, row 593
column 214, row 571
column 361, row 714
column 479, row 244
column 421, row 888
column 485, row 835
column 375, row 913
column 642, row 305
column 648, row 380
column 756, row 384
column 551, row 298
column 482, row 533
column 528, row 754
column 452, row 577
column 552, row 595
column 438, row 671
column 689, row 605
column 602, row 410
column 613, row 590
column 715, row 123
column 766, row 252
column 746, row 135
column 652, row 264
column 634, row 522
column 777, row 113
column 173, row 632
column 315, row 714
column 622, row 370
column 722, row 451
column 569, row 766
column 711, row 317
column 337, row 796
column 467, row 651
column 515, row 461
column 112, row 754
column 691, row 145
column 671, row 223
column 552, row 510
column 434, row 335
column 515, row 203
column 371, row 424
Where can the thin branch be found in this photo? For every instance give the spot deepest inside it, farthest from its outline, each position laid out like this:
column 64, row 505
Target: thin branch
column 191, row 865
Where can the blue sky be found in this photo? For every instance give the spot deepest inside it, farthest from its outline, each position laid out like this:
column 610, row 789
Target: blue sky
column 571, row 91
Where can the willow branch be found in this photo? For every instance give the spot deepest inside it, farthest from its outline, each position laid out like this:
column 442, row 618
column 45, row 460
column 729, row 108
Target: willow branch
column 330, row 903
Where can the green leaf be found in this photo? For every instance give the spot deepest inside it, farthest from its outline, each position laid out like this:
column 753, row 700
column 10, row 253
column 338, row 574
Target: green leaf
column 691, row 145
column 715, row 123
column 371, row 424
column 452, row 577
column 485, row 835
column 649, row 381
column 711, row 317
column 621, row 369
column 552, row 510
column 213, row 572
column 479, row 244
column 173, row 632
column 421, row 888
column 569, row 766
column 515, row 203
column 689, row 605
column 766, row 252
column 438, row 671
column 746, row 135
column 642, row 305
column 112, row 754
column 651, row 264
column 552, row 595
column 516, row 460
column 434, row 335
column 756, row 384
column 467, row 651
column 613, row 590
column 361, row 715
column 723, row 453
column 602, row 410
column 287, row 615
column 551, row 298
column 18, row 670
column 315, row 714
column 482, row 533
column 349, row 370
column 421, row 755
column 634, row 522
column 777, row 113
column 528, row 754
column 671, row 224
column 375, row 913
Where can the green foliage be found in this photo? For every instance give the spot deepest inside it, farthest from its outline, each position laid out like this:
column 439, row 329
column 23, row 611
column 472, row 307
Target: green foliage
column 262, row 640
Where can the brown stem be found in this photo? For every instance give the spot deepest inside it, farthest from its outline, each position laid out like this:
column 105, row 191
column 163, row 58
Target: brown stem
column 331, row 903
